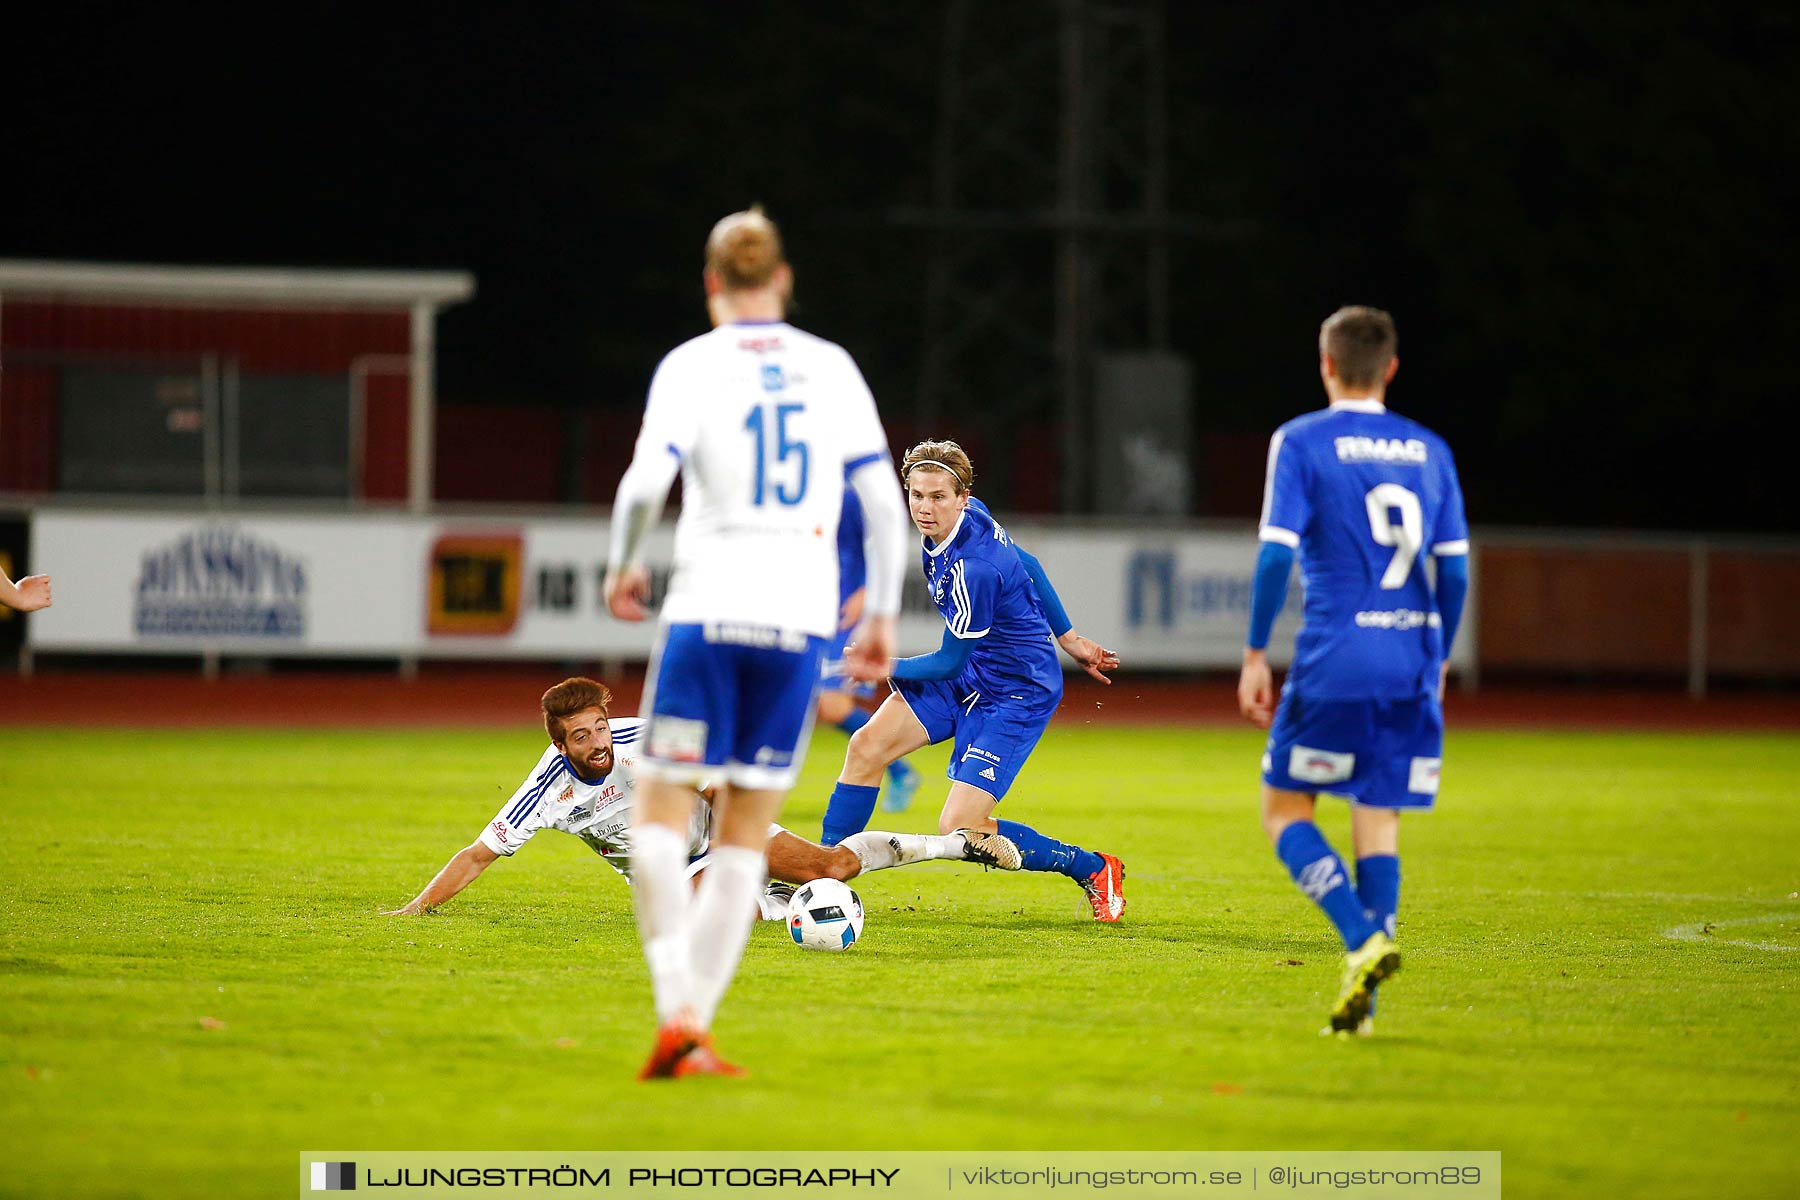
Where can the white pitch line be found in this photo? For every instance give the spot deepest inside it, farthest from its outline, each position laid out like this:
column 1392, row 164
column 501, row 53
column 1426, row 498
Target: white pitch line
column 1673, row 897
column 1697, row 932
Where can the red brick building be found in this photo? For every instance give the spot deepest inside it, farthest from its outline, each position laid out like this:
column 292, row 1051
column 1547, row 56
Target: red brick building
column 219, row 383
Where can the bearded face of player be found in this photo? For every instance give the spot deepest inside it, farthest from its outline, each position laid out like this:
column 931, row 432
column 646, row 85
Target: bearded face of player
column 934, row 501
column 587, row 744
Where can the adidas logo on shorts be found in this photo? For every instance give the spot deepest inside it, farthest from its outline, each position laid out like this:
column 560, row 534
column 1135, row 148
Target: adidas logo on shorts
column 987, row 773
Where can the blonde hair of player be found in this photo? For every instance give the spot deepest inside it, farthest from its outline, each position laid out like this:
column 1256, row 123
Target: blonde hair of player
column 747, row 276
column 945, row 456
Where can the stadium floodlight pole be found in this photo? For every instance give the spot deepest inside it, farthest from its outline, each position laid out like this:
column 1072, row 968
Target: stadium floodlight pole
column 1156, row 179
column 1048, row 228
column 1071, row 351
column 421, row 429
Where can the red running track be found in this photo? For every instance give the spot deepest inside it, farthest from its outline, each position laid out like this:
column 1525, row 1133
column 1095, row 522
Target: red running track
column 445, row 695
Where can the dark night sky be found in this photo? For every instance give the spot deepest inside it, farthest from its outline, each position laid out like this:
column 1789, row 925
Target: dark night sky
column 1580, row 218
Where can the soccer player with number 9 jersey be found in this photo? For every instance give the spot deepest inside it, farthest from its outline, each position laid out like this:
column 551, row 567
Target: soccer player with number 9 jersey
column 767, row 425
column 1365, row 497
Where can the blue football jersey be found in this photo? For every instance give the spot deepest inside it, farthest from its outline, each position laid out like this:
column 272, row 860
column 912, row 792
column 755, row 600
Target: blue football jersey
column 852, row 573
column 1364, row 494
column 983, row 592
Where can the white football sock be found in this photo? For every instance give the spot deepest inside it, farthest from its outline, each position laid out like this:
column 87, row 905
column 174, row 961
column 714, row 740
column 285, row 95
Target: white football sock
column 771, row 908
column 659, row 895
column 724, row 911
column 877, row 851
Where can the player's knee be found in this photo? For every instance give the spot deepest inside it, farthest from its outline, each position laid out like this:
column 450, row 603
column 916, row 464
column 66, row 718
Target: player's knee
column 1274, row 822
column 1281, row 809
column 865, row 755
column 948, row 823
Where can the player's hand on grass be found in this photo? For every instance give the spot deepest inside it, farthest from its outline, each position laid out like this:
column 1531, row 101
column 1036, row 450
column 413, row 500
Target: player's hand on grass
column 1256, row 689
column 1093, row 657
column 411, row 910
column 869, row 658
column 628, row 592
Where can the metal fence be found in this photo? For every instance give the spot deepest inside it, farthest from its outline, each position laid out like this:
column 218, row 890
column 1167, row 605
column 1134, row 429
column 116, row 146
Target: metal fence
column 1611, row 605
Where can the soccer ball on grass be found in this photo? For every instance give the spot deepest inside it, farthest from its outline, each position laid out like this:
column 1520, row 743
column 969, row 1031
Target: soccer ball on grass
column 825, row 915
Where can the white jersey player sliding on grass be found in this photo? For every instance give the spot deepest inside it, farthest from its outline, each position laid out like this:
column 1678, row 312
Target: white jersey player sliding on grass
column 583, row 785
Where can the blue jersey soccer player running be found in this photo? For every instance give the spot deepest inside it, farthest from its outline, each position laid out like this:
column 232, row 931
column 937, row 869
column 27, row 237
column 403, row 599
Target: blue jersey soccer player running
column 767, row 425
column 838, row 692
column 992, row 685
column 1361, row 493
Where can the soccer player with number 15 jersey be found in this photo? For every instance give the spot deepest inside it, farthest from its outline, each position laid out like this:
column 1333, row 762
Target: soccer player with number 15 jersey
column 767, row 425
column 1363, row 495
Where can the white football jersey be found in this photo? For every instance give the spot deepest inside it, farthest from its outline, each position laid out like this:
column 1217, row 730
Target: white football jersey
column 766, row 421
column 554, row 797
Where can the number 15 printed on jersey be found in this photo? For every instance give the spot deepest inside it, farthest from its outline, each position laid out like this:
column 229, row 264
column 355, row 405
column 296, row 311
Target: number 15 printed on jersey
column 773, row 454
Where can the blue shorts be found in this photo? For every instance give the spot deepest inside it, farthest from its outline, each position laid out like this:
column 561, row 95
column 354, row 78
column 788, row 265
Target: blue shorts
column 730, row 700
column 833, row 678
column 1382, row 753
column 992, row 743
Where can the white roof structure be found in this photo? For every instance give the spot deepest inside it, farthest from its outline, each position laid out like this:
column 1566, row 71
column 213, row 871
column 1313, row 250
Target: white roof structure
column 215, row 286
column 419, row 293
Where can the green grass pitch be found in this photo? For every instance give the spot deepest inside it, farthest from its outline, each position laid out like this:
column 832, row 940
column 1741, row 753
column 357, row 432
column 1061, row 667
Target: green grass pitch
column 195, row 986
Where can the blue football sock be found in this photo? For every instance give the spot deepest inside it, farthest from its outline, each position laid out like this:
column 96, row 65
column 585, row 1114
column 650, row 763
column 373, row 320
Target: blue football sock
column 848, row 811
column 1320, row 873
column 855, row 721
column 1040, row 853
column 1378, row 886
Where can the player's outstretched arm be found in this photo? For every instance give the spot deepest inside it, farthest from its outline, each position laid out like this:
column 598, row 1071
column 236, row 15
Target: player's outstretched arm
column 457, row 874
column 1094, row 658
column 635, row 511
column 1060, row 624
column 870, row 655
column 28, row 595
column 946, row 662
